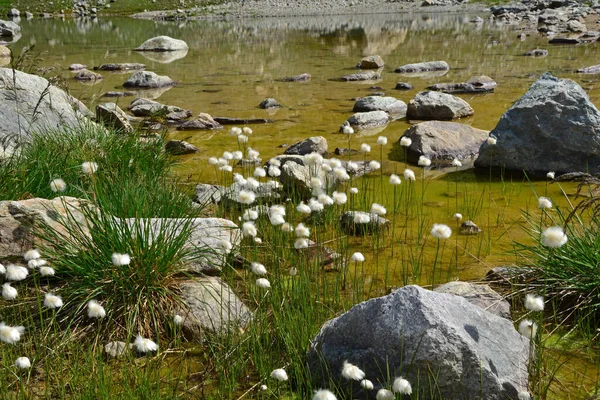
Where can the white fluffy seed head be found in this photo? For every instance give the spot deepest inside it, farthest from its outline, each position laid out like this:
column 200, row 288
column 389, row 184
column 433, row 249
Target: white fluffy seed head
column 374, row 165
column 119, row 260
column 279, row 374
column 287, row 227
column 252, row 154
column 246, row 197
column 143, row 345
column 32, row 254
column 52, row 301
column 424, row 161
column 259, row 172
column 352, row 372
column 301, row 243
column 491, row 141
column 10, row 334
column 249, row 229
column 339, row 198
column 395, row 179
column 23, row 363
column 361, row 218
column 37, row 263
column 358, row 257
column 405, row 141
column 353, row 190
column 550, row 175
column 235, row 131
column 9, row 292
column 58, row 185
column 2, row 269
column 378, row 209
column 302, row 231
column 237, row 155
column 456, row 163
column 347, row 130
column 227, row 155
column 213, row 161
column 274, row 171
column 258, row 269
column 325, row 199
column 544, row 203
column 247, row 130
column 457, row 216
column 263, row 283
column 382, row 140
column 534, row 303
column 276, row 219
column 89, row 167
column 324, row 394
column 178, row 320
column 340, row 174
column 303, row 208
column 402, row 386
column 554, row 237
column 365, row 148
column 313, row 159
column 315, row 205
column 384, row 394
column 250, row 215
column 47, row 271
column 409, row 175
column 527, row 328
column 242, row 139
column 441, row 231
column 252, row 184
column 95, row 310
column 366, row 384
column 16, row 272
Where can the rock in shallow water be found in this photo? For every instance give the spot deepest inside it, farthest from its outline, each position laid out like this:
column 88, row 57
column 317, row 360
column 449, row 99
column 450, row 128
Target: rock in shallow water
column 423, row 67
column 162, row 43
column 390, row 105
column 447, row 347
column 147, row 79
column 436, row 105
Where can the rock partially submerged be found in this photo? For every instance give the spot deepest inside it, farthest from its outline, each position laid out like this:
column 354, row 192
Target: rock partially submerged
column 142, row 107
column 423, row 67
column 594, row 69
column 305, row 77
column 87, row 75
column 440, row 140
column 269, row 103
column 390, row 105
column 241, row 121
column 370, row 62
column 9, row 29
column 202, row 122
column 120, row 67
column 316, row 144
column 553, row 127
column 148, row 80
column 162, row 44
column 440, row 342
column 477, row 84
column 367, row 120
column 436, row 105
column 361, row 76
column 536, row 53
column 180, row 147
column 111, row 116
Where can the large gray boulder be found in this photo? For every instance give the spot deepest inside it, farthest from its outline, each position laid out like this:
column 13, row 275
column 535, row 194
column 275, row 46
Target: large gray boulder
column 442, row 140
column 18, row 219
column 148, row 80
column 367, row 120
column 9, row 29
column 21, row 94
column 440, row 106
column 315, row 144
column 423, row 67
column 553, row 127
column 390, row 105
column 111, row 116
column 163, row 43
column 447, row 347
column 211, row 306
column 202, row 121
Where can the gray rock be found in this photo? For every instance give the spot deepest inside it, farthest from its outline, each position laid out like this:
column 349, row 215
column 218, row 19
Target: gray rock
column 436, row 105
column 390, row 105
column 469, row 228
column 370, row 62
column 9, row 29
column 477, row 84
column 4, row 55
column 21, row 95
column 116, row 349
column 439, row 342
column 480, row 295
column 211, row 306
column 594, row 69
column 162, row 44
column 164, row 57
column 28, row 15
column 241, row 121
column 206, row 194
column 403, row 86
column 361, row 76
column 553, row 127
column 537, row 53
column 367, row 120
column 316, row 144
column 147, row 79
column 202, row 122
column 423, row 67
column 111, row 116
column 576, row 26
column 142, row 107
column 349, row 225
column 180, row 147
column 118, row 94
column 344, row 151
column 269, row 103
column 87, row 75
column 305, row 77
column 440, row 140
column 13, row 13
column 77, row 67
column 120, row 67
column 19, row 218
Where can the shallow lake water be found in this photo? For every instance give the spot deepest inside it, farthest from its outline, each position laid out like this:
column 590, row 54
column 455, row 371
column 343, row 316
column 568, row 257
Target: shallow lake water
column 233, row 65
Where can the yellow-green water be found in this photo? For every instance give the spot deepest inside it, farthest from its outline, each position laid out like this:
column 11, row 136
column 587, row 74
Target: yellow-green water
column 233, row 65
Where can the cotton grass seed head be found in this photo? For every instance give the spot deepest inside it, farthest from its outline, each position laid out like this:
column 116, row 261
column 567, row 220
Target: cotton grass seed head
column 58, row 185
column 424, row 161
column 246, row 197
column 95, row 310
column 378, row 209
column 23, row 363
column 144, row 345
column 457, row 216
column 401, row 386
column 409, row 175
column 250, row 215
column 550, row 175
column 249, row 229
column 534, row 303
column 366, row 384
column 441, row 231
column 9, row 292
column 47, row 271
column 544, row 203
column 213, row 161
column 339, row 198
column 554, row 237
column 287, row 227
column 523, row 395
column 340, row 174
column 303, row 208
column 263, row 283
column 242, row 139
column 119, row 260
column 2, row 269
column 16, row 272
column 10, row 334
column 258, row 269
column 235, row 131
column 237, row 155
column 405, row 141
column 382, row 140
column 32, row 254
column 361, row 218
column 456, row 163
column 315, row 205
column 365, row 148
column 279, row 374
column 274, row 171
column 37, row 263
column 347, row 130
column 325, row 199
column 178, row 320
column 384, row 394
column 301, row 243
column 527, row 328
column 395, row 179
column 302, row 231
column 352, row 372
column 52, row 301
column 324, row 394
column 374, row 165
column 259, row 172
column 89, row 167
column 358, row 257
column 247, row 130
